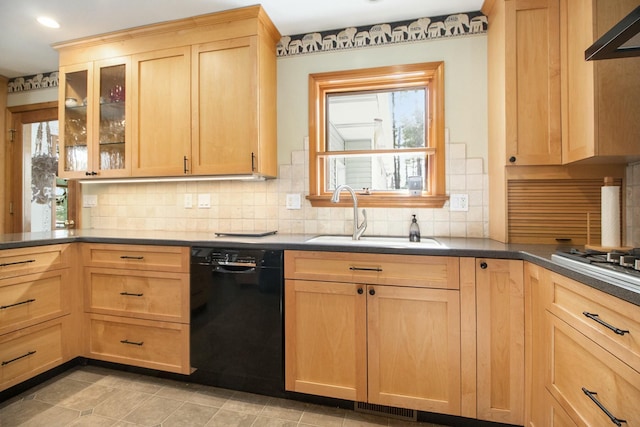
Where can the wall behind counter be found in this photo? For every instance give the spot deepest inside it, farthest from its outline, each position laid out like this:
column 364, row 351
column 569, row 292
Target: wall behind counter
column 261, row 205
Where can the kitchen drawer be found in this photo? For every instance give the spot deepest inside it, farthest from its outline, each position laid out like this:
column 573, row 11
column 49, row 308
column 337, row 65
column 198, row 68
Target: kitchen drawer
column 382, row 269
column 555, row 415
column 577, row 366
column 16, row 262
column 30, row 351
column 33, row 298
column 149, row 344
column 570, row 300
column 136, row 257
column 143, row 294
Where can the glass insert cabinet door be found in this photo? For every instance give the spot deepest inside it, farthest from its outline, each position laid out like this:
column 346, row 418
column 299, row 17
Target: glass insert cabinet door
column 95, row 141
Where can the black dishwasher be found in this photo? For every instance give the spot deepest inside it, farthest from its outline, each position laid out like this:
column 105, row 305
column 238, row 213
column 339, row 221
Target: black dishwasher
column 237, row 319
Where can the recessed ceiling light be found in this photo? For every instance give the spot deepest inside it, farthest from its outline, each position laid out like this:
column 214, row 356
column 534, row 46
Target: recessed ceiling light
column 48, row 22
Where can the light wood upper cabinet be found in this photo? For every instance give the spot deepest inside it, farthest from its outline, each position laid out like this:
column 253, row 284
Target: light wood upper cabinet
column 599, row 98
column 200, row 98
column 524, row 81
column 234, row 120
column 161, row 112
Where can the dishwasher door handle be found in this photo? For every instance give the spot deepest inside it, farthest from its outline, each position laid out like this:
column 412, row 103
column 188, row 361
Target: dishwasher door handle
column 224, row 270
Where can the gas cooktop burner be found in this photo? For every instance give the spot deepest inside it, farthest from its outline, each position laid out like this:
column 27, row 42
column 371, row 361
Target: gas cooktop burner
column 620, row 268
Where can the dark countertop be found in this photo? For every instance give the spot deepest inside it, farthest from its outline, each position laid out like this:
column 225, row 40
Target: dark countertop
column 460, row 247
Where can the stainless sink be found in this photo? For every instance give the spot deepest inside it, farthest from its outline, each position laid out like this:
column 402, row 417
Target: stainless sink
column 378, row 241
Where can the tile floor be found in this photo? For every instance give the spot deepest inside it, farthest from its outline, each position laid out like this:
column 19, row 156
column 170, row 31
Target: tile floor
column 97, row 396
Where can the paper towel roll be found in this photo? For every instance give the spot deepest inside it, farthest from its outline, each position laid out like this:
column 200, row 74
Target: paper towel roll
column 610, row 210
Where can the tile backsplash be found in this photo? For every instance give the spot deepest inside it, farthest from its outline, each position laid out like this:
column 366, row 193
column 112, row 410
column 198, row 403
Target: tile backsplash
column 249, row 206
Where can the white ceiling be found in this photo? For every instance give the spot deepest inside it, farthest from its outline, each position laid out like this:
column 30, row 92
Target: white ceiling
column 25, row 45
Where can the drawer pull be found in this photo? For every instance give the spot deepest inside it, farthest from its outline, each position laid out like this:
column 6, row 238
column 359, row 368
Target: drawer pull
column 352, row 268
column 26, row 261
column 131, row 257
column 605, row 324
column 592, row 396
column 6, row 362
column 129, row 294
column 132, row 342
column 2, row 307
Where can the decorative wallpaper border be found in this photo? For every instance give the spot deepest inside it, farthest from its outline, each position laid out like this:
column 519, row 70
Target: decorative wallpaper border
column 37, row 81
column 460, row 24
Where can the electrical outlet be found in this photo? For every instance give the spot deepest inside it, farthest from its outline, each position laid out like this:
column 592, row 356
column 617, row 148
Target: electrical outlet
column 293, row 201
column 188, row 201
column 89, row 201
column 459, row 202
column 204, row 201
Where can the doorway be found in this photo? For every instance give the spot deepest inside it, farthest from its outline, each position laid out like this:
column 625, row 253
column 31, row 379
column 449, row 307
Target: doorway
column 37, row 200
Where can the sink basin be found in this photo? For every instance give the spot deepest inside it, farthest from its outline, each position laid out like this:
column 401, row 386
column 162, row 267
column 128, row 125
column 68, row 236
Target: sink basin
column 378, row 241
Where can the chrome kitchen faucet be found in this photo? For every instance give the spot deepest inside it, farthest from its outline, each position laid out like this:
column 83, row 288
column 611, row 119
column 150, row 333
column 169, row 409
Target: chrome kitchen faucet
column 358, row 230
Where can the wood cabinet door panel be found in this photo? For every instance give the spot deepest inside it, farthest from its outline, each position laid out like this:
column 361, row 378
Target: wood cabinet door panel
column 500, row 342
column 325, row 346
column 532, row 78
column 414, row 348
column 225, row 107
column 161, row 112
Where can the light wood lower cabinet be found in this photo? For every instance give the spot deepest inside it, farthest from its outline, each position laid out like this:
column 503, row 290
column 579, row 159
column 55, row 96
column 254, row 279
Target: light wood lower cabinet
column 150, row 344
column 33, row 350
column 38, row 311
column 359, row 340
column 137, row 305
column 500, row 340
column 583, row 352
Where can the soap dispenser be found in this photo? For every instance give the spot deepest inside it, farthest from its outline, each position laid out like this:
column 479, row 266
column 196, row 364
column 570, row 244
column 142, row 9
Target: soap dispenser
column 414, row 230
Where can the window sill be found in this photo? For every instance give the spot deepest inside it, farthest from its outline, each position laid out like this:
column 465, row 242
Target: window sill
column 382, row 201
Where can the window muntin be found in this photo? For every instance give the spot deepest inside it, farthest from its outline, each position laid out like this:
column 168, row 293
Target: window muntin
column 376, row 129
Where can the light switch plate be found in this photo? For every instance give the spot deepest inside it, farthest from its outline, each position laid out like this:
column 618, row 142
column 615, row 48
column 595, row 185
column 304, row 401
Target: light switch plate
column 204, row 201
column 89, row 201
column 188, row 200
column 459, row 202
column 293, row 201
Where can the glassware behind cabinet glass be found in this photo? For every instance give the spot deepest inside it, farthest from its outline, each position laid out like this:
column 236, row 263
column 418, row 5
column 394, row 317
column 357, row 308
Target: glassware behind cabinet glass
column 75, row 122
column 112, row 117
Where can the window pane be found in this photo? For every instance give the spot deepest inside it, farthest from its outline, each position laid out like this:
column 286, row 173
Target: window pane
column 381, row 172
column 376, row 120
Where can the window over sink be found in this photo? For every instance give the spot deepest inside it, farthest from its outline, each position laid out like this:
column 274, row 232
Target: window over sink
column 380, row 131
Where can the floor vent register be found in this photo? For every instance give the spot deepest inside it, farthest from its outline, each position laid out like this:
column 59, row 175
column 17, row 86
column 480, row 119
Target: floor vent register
column 387, row 411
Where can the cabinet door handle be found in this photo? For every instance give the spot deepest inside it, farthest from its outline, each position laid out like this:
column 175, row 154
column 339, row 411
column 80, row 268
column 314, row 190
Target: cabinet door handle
column 372, row 291
column 512, row 159
column 26, row 261
column 125, row 341
column 253, row 162
column 596, row 318
column 353, row 268
column 91, row 173
column 129, row 294
column 592, row 396
column 360, row 291
column 27, row 354
column 131, row 257
column 2, row 307
column 483, row 265
column 184, row 164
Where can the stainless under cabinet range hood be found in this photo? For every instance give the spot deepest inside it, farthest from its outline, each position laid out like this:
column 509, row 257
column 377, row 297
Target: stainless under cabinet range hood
column 621, row 41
